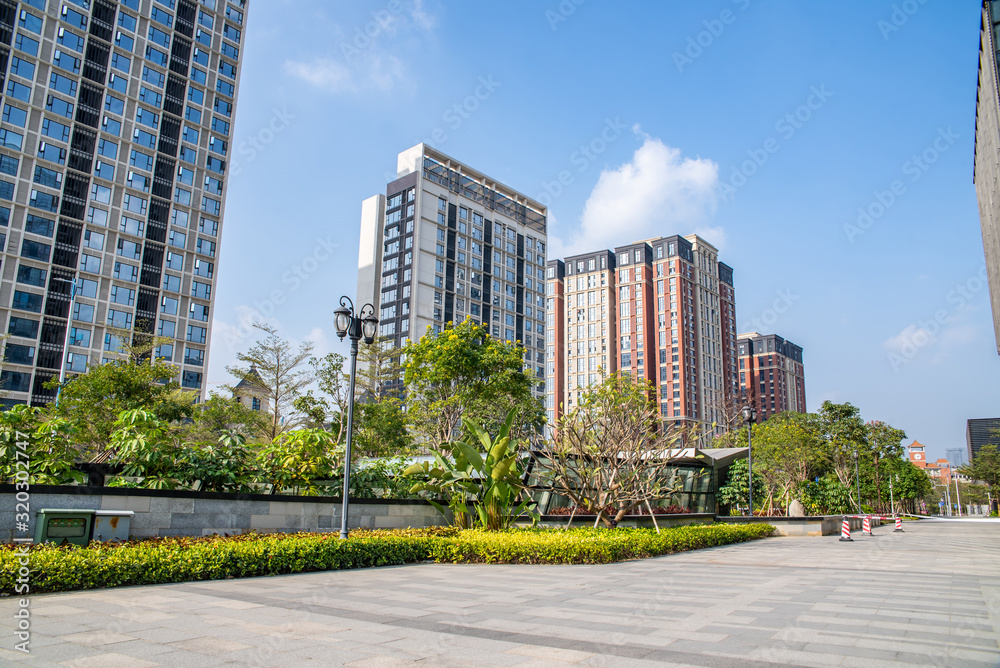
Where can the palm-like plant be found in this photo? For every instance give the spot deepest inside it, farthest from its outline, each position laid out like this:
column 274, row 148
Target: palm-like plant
column 492, row 483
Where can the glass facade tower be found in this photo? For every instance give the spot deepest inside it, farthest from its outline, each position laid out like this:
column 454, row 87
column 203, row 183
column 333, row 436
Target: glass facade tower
column 114, row 143
column 446, row 243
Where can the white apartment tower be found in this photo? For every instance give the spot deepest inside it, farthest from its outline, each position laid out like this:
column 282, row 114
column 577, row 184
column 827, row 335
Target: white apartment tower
column 446, row 242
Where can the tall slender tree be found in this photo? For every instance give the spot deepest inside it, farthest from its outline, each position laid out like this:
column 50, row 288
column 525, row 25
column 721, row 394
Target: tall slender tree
column 280, row 372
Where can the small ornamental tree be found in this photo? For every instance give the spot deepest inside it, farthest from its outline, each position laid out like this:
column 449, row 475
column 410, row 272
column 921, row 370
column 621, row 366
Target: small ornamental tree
column 610, row 454
column 463, row 371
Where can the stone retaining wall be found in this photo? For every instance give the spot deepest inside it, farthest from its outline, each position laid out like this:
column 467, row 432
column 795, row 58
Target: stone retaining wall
column 182, row 513
column 815, row 525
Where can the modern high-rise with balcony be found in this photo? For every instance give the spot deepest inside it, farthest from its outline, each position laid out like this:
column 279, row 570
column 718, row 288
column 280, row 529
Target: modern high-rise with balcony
column 986, row 168
column 772, row 376
column 662, row 310
column 114, row 139
column 445, row 243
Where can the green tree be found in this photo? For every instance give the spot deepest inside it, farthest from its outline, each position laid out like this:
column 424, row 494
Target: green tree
column 380, row 430
column 149, row 449
column 735, row 492
column 844, row 431
column 788, row 449
column 378, row 366
column 826, row 495
column 91, row 402
column 883, row 444
column 332, row 402
column 985, row 467
column 33, row 451
column 464, row 372
column 219, row 416
column 279, row 368
column 296, row 459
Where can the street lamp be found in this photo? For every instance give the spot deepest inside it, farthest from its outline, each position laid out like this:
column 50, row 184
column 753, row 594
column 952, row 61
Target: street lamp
column 355, row 326
column 749, row 415
column 857, row 480
column 69, row 321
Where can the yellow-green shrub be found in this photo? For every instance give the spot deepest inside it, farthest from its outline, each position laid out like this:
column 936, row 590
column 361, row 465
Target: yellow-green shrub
column 163, row 560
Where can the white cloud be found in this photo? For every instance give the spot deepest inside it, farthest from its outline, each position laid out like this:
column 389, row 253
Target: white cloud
column 369, row 56
column 909, row 341
column 323, row 73
column 657, row 193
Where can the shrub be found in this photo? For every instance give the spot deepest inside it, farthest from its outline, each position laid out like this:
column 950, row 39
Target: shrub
column 162, row 560
column 586, row 545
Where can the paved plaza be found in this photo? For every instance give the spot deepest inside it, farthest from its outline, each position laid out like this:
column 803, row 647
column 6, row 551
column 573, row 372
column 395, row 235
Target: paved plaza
column 928, row 596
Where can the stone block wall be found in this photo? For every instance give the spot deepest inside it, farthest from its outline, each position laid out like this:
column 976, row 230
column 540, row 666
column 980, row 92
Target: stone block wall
column 180, row 513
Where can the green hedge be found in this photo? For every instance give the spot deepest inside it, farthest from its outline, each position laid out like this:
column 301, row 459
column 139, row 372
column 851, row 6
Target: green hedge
column 162, row 560
column 586, row 546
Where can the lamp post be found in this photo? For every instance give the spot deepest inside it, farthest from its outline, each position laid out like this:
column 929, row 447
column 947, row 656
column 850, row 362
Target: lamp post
column 857, row 480
column 356, row 326
column 69, row 320
column 892, row 502
column 749, row 415
column 958, row 495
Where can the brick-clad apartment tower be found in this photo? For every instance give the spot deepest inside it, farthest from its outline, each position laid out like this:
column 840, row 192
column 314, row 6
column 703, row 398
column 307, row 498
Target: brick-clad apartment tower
column 661, row 309
column 771, row 374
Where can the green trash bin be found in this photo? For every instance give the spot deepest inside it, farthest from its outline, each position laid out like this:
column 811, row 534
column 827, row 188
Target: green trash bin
column 64, row 525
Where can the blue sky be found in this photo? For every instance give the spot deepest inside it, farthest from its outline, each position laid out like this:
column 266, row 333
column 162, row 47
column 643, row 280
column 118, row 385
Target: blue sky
column 767, row 127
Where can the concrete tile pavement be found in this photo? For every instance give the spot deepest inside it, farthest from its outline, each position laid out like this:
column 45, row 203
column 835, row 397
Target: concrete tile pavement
column 929, row 597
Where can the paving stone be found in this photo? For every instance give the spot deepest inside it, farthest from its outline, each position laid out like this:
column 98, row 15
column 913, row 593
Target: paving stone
column 789, row 601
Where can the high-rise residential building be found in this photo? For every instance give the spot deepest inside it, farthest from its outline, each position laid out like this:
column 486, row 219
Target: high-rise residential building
column 771, row 374
column 113, row 150
column 445, row 243
column 980, row 432
column 661, row 309
column 986, row 170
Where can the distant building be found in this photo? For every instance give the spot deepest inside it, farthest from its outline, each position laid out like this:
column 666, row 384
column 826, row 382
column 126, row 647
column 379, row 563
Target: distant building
column 251, row 392
column 660, row 309
column 956, row 457
column 980, row 432
column 939, row 471
column 986, row 168
column 772, row 375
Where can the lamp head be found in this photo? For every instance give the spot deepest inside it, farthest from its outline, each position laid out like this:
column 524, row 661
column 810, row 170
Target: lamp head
column 342, row 321
column 368, row 326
